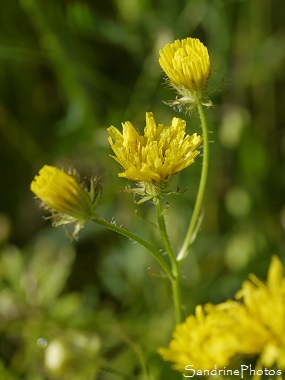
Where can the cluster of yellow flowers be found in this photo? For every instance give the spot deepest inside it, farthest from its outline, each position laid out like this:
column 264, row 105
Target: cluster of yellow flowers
column 254, row 324
column 152, row 158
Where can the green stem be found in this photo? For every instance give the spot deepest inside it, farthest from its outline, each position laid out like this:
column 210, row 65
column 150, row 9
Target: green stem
column 137, row 239
column 175, row 280
column 176, row 294
column 164, row 235
column 192, row 229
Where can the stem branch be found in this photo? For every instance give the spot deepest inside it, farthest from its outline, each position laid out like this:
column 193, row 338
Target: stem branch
column 139, row 240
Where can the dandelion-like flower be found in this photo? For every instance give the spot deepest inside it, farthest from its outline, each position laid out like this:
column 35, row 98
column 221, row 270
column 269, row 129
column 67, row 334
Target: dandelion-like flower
column 252, row 326
column 202, row 341
column 262, row 323
column 187, row 64
column 154, row 157
column 68, row 199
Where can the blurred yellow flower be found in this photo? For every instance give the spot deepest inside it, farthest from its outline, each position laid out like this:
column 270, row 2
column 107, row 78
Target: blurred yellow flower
column 262, row 323
column 158, row 154
column 68, row 200
column 255, row 326
column 187, row 64
column 202, row 341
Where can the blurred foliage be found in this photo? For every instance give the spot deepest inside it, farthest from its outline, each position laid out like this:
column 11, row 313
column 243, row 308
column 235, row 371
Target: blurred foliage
column 68, row 70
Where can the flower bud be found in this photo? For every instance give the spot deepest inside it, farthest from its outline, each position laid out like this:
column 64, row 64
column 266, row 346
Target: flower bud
column 69, row 200
column 188, row 67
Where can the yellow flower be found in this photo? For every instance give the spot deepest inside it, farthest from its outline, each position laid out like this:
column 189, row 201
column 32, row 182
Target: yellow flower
column 188, row 67
column 68, row 200
column 202, row 341
column 255, row 326
column 263, row 323
column 161, row 152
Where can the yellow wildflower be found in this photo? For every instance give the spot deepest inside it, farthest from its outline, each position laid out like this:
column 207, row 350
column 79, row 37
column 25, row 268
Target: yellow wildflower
column 187, row 64
column 154, row 157
column 263, row 324
column 202, row 341
column 255, row 326
column 68, row 200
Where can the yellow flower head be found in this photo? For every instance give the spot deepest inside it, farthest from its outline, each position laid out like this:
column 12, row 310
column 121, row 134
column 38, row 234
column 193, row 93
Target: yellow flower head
column 65, row 196
column 263, row 322
column 161, row 152
column 202, row 341
column 255, row 326
column 187, row 65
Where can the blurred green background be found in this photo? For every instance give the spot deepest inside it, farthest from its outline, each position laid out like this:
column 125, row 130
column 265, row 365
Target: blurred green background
column 93, row 309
